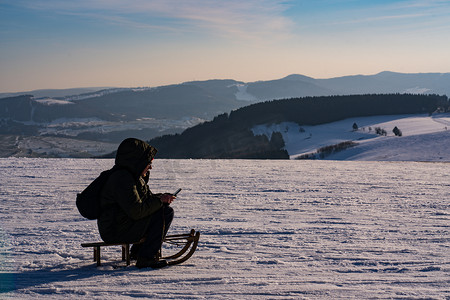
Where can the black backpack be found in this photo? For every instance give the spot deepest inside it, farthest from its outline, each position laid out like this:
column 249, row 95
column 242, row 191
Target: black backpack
column 88, row 201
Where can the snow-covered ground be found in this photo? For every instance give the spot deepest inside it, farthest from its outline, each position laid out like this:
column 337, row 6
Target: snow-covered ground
column 270, row 230
column 59, row 137
column 74, row 127
column 61, row 147
column 424, row 138
column 51, row 101
column 242, row 94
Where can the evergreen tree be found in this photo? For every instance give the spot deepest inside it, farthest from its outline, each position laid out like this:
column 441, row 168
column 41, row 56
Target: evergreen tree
column 397, row 131
column 276, row 140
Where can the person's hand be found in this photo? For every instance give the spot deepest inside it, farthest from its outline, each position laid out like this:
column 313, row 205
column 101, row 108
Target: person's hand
column 167, row 198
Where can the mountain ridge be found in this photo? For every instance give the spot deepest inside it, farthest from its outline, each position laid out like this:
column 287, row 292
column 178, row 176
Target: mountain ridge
column 384, row 76
column 110, row 115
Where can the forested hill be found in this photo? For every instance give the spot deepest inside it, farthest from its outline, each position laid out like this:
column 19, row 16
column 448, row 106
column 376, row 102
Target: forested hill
column 230, row 136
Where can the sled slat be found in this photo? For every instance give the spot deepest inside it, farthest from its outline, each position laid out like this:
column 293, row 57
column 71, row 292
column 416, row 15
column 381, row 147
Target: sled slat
column 189, row 240
column 97, row 246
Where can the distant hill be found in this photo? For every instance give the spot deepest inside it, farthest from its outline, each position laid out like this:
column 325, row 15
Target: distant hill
column 175, row 102
column 382, row 83
column 231, row 136
column 389, row 82
column 55, row 92
column 112, row 114
column 291, row 86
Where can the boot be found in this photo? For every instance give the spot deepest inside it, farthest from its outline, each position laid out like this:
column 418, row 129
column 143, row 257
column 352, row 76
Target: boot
column 134, row 251
column 153, row 262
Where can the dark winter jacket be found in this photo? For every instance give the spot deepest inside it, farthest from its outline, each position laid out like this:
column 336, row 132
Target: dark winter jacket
column 127, row 204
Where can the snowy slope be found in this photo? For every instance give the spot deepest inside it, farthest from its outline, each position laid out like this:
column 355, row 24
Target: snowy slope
column 270, row 230
column 425, row 138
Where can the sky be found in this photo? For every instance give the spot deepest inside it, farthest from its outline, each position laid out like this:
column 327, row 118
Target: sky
column 135, row 43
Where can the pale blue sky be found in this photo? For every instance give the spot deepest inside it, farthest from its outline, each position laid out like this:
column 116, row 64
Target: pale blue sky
column 129, row 43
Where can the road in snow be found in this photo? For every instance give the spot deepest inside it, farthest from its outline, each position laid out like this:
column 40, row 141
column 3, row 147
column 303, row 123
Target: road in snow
column 270, row 230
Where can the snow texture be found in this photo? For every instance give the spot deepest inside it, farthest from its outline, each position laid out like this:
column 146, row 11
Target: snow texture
column 289, row 229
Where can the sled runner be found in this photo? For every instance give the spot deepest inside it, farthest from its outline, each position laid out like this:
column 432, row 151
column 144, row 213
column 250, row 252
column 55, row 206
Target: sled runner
column 180, row 247
column 181, row 240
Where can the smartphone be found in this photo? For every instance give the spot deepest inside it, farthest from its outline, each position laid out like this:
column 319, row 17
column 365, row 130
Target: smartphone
column 176, row 192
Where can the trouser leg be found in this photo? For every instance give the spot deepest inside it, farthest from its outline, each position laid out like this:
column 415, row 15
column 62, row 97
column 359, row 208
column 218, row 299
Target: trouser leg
column 157, row 230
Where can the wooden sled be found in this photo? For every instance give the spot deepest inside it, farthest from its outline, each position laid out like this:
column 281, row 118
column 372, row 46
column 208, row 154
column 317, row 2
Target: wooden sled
column 187, row 242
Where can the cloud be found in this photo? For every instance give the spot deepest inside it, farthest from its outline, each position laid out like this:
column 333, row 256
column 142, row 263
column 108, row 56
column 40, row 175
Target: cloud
column 380, row 18
column 237, row 18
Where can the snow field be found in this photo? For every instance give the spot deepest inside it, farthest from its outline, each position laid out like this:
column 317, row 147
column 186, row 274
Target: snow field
column 431, row 132
column 270, row 230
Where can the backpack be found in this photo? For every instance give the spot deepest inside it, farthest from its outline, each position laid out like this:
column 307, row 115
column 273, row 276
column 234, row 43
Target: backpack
column 88, row 201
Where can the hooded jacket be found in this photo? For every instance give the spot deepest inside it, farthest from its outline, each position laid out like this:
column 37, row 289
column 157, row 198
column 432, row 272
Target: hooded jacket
column 127, row 204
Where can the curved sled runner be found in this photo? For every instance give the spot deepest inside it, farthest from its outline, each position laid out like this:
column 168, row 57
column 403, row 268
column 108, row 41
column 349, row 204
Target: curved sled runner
column 187, row 242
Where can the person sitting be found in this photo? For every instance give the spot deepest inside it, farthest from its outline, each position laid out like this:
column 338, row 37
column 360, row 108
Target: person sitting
column 130, row 212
